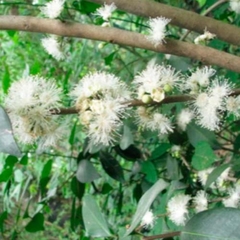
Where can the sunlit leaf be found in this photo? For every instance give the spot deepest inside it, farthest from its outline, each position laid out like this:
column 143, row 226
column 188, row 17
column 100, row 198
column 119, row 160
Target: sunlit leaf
column 203, row 156
column 86, row 172
column 7, row 141
column 94, row 222
column 214, row 224
column 127, row 138
column 145, row 203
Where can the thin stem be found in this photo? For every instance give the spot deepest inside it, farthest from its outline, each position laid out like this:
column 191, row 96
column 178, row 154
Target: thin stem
column 164, row 235
column 207, row 11
column 136, row 103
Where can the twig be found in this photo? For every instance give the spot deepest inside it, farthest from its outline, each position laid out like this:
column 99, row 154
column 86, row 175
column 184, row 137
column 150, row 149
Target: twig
column 165, row 235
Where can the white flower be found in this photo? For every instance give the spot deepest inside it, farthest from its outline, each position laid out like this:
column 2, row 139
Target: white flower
column 200, row 201
column 157, row 30
column 184, row 118
column 233, row 199
column 201, row 77
column 208, row 104
column 155, row 80
column 177, row 209
column 160, row 123
column 203, row 176
column 52, row 47
column 235, row 5
column 233, row 105
column 106, row 11
column 148, row 220
column 29, row 102
column 99, row 100
column 204, row 37
column 53, row 8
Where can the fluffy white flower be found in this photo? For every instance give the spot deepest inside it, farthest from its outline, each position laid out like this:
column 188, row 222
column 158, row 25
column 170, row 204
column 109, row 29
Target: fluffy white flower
column 204, row 37
column 177, row 209
column 160, row 123
column 53, row 8
column 233, row 199
column 106, row 11
column 203, row 176
column 99, row 100
column 157, row 31
column 235, row 5
column 148, row 219
column 209, row 104
column 199, row 78
column 155, row 80
column 52, row 47
column 201, row 202
column 184, row 118
column 29, row 102
column 233, row 105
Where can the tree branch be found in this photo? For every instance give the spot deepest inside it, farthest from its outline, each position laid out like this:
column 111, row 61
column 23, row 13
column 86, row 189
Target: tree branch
column 179, row 17
column 204, row 54
column 136, row 103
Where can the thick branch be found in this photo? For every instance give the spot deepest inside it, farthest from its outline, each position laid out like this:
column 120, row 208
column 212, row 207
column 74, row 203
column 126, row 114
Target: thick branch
column 122, row 37
column 180, row 17
column 136, row 103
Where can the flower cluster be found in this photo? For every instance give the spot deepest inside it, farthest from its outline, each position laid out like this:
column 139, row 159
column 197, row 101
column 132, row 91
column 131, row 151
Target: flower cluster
column 100, row 101
column 105, row 12
column 53, row 8
column 157, row 31
column 29, row 102
column 235, row 6
column 52, row 47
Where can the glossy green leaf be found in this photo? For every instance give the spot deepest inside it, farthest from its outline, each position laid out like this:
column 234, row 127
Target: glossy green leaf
column 198, row 134
column 214, row 224
column 145, row 203
column 111, row 166
column 86, row 172
column 94, row 222
column 160, row 150
column 6, row 80
column 108, row 60
column 212, row 177
column 36, row 224
column 203, row 156
column 236, row 144
column 127, row 138
column 45, row 175
column 131, row 153
column 7, row 141
column 150, row 171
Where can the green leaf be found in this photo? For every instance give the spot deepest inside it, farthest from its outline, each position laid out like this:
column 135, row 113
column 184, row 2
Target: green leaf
column 7, row 141
column 77, row 188
column 236, row 144
column 160, row 150
column 145, row 203
column 111, row 166
column 108, row 60
column 6, row 80
column 215, row 174
column 173, row 171
column 214, row 224
column 132, row 153
column 72, row 135
column 24, row 160
column 203, row 156
column 127, row 138
column 86, row 172
column 95, row 224
column 45, row 176
column 36, row 224
column 197, row 134
column 149, row 169
column 3, row 217
column 201, row 2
